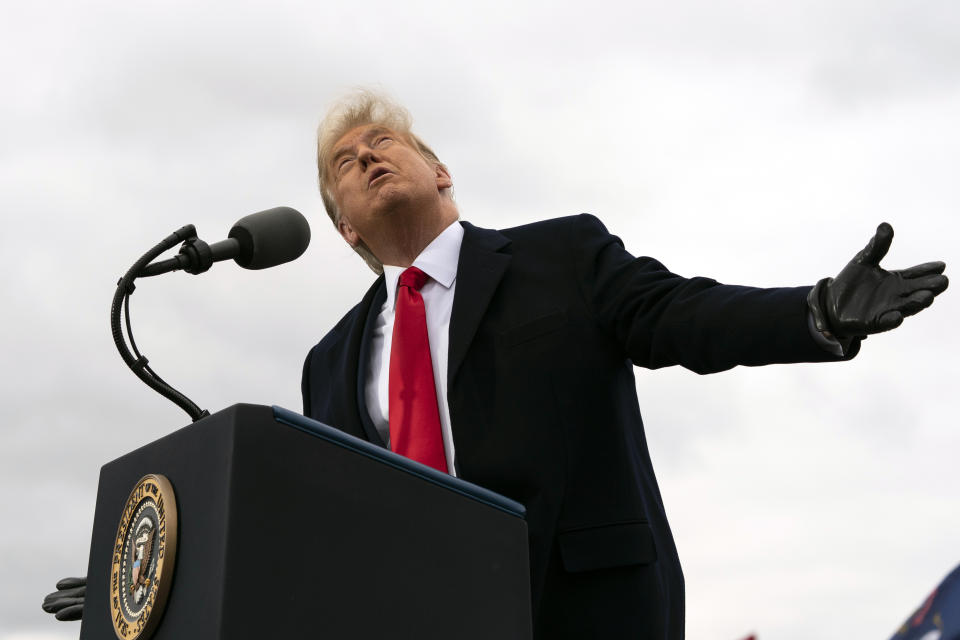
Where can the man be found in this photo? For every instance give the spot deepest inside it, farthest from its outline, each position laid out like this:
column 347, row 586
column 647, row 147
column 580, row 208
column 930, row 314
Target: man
column 505, row 358
column 533, row 333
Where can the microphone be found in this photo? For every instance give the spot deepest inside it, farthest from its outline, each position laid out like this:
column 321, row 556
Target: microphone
column 257, row 241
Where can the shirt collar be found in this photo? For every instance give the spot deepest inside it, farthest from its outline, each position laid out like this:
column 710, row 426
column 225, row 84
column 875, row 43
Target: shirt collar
column 438, row 260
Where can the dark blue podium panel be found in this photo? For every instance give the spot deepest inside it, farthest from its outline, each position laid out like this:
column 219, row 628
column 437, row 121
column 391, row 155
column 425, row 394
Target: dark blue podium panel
column 288, row 527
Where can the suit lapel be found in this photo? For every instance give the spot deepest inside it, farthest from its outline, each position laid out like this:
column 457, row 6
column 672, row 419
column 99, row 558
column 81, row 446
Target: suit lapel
column 348, row 408
column 363, row 363
column 479, row 271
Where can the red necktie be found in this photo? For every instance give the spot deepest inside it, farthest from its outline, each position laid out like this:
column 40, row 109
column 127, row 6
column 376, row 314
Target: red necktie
column 414, row 415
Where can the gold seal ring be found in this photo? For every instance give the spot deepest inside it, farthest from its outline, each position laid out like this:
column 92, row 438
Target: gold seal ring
column 144, row 554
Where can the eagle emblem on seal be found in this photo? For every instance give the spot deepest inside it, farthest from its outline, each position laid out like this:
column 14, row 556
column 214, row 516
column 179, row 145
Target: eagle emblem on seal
column 141, row 554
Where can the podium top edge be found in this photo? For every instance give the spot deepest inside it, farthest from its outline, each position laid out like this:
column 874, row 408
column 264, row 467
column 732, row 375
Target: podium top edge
column 457, row 485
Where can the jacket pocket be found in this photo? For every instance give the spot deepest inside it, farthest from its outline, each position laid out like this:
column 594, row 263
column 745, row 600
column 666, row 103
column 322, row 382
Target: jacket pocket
column 533, row 329
column 606, row 546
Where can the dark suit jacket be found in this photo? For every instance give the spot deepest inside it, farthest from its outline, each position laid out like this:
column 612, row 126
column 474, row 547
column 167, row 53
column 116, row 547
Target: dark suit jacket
column 548, row 321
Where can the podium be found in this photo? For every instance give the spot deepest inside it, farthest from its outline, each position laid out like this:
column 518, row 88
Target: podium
column 289, row 528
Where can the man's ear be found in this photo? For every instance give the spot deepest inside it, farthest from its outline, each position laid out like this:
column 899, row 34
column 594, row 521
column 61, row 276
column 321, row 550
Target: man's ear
column 347, row 231
column 444, row 181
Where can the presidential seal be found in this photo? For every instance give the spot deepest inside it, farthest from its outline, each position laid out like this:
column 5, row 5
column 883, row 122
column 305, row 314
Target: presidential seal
column 143, row 558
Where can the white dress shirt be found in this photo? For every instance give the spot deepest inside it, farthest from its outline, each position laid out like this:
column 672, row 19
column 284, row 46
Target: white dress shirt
column 438, row 260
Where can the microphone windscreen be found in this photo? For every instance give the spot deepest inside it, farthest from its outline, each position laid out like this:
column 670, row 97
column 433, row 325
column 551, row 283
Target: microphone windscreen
column 270, row 237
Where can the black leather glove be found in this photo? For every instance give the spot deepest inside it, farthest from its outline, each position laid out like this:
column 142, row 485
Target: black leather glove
column 67, row 601
column 865, row 299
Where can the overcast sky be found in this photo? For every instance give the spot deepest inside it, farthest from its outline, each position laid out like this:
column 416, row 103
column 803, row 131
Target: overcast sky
column 754, row 142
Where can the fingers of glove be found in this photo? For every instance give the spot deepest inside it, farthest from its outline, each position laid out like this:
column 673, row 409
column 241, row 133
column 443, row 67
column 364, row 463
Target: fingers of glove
column 934, row 284
column 877, row 247
column 74, row 612
column 50, row 598
column 920, row 270
column 58, row 604
column 890, row 320
column 76, row 592
column 69, row 583
column 915, row 302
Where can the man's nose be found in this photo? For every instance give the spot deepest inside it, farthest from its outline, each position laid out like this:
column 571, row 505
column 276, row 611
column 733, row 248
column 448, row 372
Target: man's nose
column 367, row 156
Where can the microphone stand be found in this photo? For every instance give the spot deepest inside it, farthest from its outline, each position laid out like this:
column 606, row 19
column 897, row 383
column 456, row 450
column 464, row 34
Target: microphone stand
column 199, row 252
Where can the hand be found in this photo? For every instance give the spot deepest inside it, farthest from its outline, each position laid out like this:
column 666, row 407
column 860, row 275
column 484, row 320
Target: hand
column 67, row 601
column 865, row 299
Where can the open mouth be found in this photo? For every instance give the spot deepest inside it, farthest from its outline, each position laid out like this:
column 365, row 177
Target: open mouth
column 377, row 173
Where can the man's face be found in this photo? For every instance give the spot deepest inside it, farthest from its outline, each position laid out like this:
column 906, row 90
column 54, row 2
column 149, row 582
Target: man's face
column 376, row 174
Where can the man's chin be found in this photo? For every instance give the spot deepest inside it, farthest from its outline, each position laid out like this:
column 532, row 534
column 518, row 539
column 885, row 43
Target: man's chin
column 392, row 201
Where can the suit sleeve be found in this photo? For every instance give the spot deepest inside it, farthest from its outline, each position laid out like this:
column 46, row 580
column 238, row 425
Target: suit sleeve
column 661, row 319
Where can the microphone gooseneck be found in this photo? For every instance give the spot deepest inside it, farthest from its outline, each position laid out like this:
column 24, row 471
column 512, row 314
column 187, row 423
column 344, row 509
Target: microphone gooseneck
column 121, row 298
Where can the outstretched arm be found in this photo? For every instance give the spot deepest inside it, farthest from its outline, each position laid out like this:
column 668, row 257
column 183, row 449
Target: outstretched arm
column 661, row 319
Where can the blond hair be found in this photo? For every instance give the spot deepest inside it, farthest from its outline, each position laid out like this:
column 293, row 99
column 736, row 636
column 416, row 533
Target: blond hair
column 359, row 108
